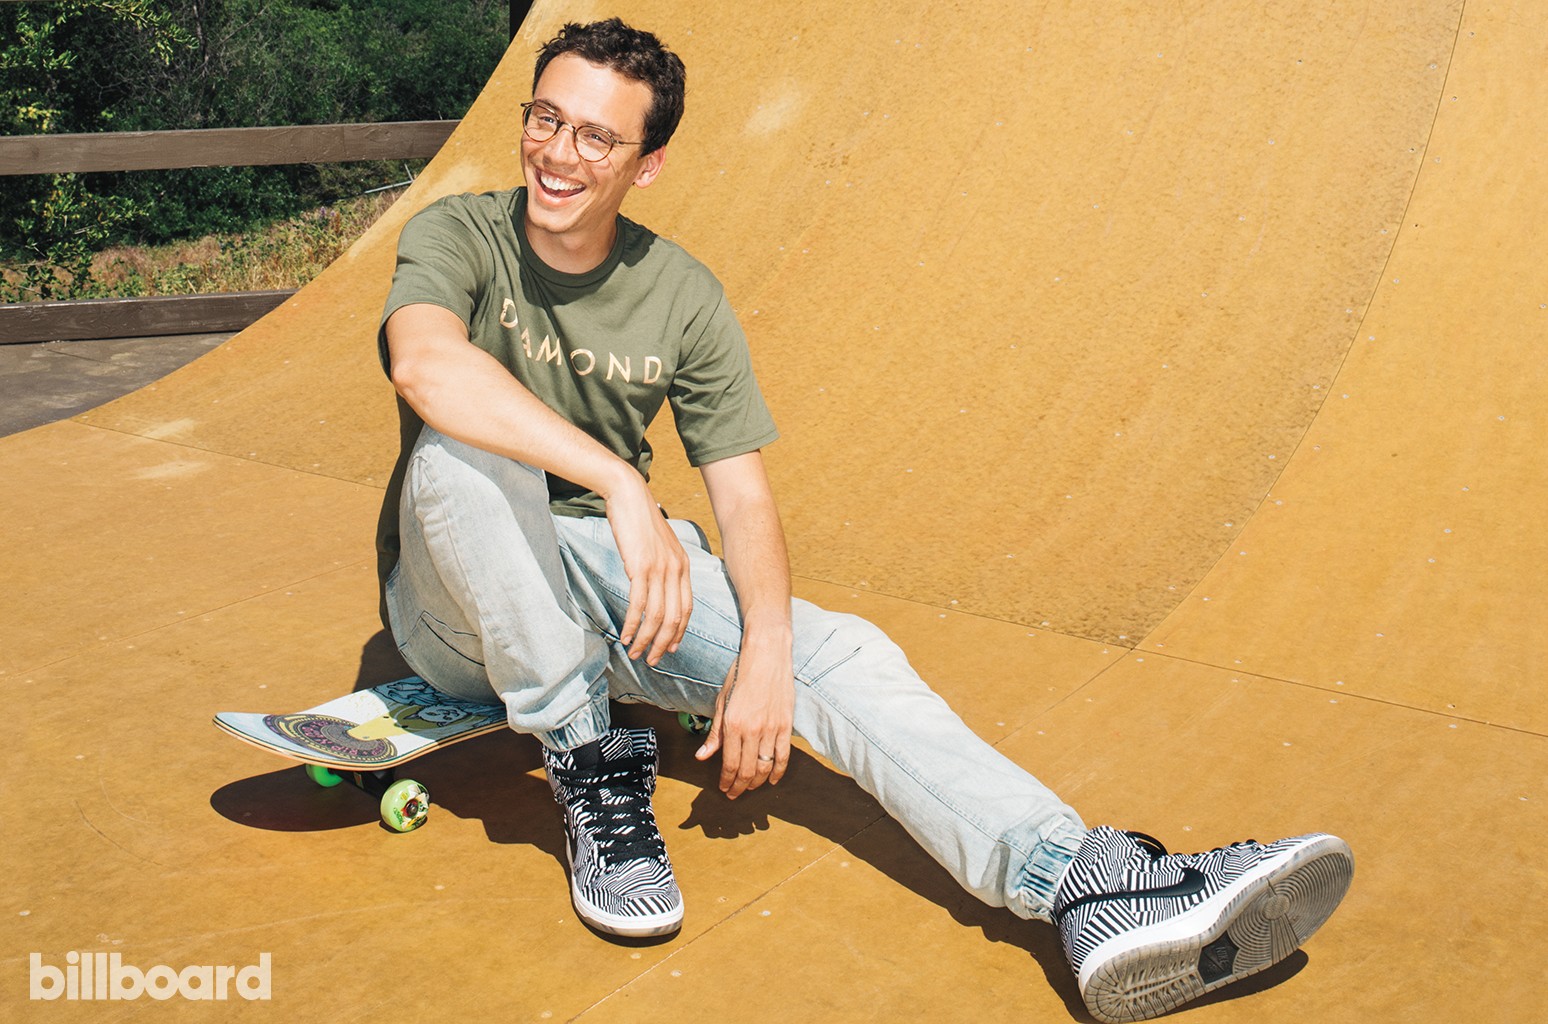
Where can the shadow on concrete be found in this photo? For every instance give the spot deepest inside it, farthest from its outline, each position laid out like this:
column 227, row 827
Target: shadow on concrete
column 497, row 779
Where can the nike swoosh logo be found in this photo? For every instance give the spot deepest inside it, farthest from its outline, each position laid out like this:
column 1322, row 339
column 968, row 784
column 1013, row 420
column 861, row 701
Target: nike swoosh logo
column 1192, row 883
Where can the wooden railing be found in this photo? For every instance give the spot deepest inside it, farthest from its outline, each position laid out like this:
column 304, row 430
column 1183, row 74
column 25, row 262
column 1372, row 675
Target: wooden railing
column 211, row 147
column 221, row 147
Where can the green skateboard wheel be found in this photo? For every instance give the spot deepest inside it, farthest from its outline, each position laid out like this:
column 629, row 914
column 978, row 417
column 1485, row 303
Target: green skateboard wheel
column 405, row 805
column 322, row 776
column 696, row 724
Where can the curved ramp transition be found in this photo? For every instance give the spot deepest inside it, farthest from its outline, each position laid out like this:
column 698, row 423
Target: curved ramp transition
column 1166, row 378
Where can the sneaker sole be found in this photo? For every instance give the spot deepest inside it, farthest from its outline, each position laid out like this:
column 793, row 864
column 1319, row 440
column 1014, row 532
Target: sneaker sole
column 634, row 927
column 1254, row 923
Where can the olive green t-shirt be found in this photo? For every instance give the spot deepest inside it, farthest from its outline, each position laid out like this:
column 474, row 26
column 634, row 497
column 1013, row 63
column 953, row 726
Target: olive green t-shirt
column 603, row 349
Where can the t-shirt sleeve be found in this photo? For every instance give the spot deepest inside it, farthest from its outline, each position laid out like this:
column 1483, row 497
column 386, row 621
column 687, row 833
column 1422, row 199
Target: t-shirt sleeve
column 440, row 261
column 715, row 398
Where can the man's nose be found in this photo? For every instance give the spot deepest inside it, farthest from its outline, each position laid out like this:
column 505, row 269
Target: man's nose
column 570, row 149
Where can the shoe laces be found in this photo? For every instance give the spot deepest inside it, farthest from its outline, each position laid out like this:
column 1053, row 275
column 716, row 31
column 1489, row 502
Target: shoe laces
column 616, row 798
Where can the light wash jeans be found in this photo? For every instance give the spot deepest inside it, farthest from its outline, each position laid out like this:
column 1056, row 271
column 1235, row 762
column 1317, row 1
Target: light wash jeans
column 496, row 599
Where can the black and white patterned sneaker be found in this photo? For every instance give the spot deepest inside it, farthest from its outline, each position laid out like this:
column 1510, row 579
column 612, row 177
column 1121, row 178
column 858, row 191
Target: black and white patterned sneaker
column 620, row 877
column 1146, row 931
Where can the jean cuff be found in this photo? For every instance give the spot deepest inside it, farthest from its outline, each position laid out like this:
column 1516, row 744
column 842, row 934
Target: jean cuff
column 1045, row 867
column 591, row 722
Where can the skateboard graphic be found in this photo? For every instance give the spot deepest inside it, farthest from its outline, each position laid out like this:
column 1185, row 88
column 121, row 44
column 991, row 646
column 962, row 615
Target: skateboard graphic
column 363, row 737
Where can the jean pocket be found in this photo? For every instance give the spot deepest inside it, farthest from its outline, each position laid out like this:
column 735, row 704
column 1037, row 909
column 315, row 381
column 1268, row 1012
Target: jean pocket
column 466, row 646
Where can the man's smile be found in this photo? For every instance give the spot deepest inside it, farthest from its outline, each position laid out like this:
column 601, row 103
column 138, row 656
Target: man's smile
column 558, row 187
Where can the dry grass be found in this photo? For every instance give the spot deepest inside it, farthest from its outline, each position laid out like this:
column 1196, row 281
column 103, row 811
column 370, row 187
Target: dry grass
column 286, row 254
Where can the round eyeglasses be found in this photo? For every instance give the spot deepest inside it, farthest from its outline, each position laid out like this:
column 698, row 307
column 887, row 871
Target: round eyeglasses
column 540, row 123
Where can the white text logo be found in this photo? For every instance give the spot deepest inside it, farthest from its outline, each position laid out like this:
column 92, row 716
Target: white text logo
column 105, row 976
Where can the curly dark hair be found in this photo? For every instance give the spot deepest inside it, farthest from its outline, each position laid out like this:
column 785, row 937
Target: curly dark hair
column 636, row 55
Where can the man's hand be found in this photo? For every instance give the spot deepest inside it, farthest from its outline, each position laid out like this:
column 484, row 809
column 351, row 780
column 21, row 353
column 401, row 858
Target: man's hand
column 660, row 592
column 753, row 717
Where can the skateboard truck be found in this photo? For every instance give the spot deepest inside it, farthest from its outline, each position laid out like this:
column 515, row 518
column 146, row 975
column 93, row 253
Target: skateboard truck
column 404, row 803
column 699, row 725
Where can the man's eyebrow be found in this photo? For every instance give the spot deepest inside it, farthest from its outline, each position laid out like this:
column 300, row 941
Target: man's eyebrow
column 565, row 118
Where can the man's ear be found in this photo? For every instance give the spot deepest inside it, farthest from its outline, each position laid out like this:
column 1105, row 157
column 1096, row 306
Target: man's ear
column 650, row 166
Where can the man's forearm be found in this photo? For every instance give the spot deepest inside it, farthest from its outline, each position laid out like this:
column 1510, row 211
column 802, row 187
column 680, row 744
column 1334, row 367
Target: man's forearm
column 754, row 544
column 759, row 566
column 464, row 392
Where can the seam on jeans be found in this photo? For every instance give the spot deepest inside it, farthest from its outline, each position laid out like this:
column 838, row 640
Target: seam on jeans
column 813, row 684
column 614, row 640
column 604, row 631
column 605, row 583
column 430, row 622
column 715, row 685
column 445, row 627
column 717, row 613
column 491, row 630
column 712, row 693
column 655, row 700
column 567, row 555
column 796, row 670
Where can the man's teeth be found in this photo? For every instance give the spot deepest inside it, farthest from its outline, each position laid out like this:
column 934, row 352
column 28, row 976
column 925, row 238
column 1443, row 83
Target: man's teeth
column 558, row 184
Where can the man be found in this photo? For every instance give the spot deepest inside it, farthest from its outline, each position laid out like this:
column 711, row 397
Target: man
column 532, row 335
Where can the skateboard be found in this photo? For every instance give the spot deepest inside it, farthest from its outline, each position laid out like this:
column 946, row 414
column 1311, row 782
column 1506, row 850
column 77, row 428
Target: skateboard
column 364, row 737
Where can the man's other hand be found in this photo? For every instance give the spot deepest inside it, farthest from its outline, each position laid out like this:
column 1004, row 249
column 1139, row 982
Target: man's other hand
column 753, row 720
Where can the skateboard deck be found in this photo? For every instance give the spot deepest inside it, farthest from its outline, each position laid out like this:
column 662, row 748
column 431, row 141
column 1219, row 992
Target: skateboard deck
column 369, row 730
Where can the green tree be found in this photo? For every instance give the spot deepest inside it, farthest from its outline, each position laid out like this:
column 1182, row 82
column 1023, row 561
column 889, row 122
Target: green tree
column 142, row 65
column 52, row 225
column 272, row 62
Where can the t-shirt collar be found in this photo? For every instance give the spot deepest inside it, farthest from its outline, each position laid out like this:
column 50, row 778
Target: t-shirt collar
column 559, row 277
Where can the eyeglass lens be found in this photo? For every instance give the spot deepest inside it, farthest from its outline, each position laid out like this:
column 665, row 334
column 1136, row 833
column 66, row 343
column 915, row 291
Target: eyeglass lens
column 542, row 124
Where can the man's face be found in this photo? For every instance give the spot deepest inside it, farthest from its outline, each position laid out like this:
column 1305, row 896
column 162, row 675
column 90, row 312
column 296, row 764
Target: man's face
column 572, row 202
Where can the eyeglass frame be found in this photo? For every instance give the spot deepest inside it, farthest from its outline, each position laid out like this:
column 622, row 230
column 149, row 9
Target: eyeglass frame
column 526, row 116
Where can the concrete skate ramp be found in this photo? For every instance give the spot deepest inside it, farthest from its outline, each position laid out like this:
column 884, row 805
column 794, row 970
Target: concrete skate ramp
column 1166, row 378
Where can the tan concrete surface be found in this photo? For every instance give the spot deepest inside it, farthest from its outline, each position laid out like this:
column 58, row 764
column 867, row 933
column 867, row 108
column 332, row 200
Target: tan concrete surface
column 1057, row 306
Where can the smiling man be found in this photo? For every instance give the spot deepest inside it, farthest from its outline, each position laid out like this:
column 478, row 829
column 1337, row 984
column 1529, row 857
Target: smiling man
column 532, row 335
